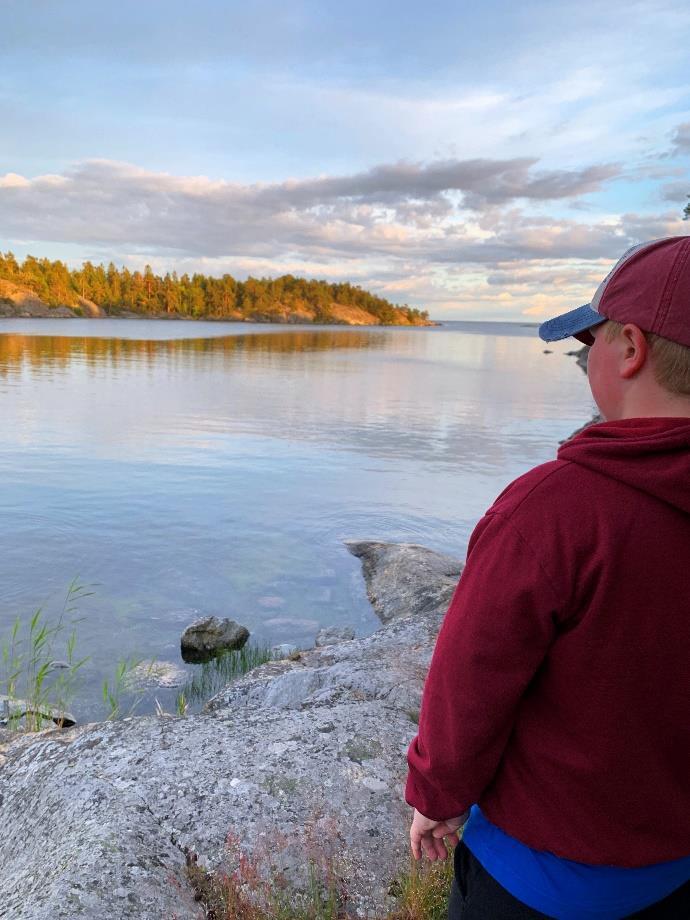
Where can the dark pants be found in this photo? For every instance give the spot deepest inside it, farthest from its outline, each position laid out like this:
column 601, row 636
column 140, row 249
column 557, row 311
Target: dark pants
column 476, row 895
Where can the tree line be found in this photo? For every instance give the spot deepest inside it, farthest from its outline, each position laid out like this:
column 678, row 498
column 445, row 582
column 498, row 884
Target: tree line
column 199, row 296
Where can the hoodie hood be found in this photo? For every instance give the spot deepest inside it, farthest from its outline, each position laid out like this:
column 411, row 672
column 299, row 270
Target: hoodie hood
column 651, row 455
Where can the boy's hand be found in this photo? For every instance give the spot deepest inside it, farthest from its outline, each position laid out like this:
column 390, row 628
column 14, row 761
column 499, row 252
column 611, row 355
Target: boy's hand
column 429, row 836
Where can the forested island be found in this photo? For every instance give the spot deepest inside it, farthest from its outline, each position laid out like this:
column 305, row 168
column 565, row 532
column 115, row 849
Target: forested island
column 97, row 290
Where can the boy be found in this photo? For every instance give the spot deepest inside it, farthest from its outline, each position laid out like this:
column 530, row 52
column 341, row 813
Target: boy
column 557, row 705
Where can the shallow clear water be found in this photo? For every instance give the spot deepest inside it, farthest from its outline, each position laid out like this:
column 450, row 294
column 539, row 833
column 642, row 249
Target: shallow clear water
column 197, row 468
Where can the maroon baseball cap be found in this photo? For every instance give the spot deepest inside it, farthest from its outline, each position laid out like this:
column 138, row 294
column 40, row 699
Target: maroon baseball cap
column 648, row 286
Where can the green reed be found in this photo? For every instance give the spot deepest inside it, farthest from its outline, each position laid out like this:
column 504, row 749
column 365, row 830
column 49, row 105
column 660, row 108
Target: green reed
column 37, row 687
column 221, row 670
column 31, row 678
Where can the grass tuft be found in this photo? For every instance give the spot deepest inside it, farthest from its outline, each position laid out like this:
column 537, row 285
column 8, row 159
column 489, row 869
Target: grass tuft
column 217, row 673
column 258, row 889
column 422, row 891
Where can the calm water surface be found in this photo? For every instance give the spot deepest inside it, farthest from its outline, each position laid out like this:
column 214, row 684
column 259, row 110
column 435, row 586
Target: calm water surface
column 204, row 468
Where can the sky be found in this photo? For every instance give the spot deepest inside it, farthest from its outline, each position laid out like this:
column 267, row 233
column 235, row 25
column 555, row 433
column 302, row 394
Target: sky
column 484, row 162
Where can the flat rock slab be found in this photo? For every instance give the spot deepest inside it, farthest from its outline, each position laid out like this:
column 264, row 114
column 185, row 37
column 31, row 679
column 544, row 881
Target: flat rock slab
column 96, row 819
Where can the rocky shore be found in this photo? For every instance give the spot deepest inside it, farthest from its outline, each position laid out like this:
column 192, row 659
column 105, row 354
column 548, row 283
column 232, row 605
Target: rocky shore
column 97, row 819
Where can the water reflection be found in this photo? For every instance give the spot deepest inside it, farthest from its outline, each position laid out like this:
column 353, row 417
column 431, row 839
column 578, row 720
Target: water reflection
column 191, row 476
column 17, row 350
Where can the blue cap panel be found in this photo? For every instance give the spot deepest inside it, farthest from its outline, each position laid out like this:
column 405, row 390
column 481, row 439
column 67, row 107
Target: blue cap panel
column 567, row 324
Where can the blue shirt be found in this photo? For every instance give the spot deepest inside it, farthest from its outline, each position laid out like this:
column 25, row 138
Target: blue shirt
column 565, row 889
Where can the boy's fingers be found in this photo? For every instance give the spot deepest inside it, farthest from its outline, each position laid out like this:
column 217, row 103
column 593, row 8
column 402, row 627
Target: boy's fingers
column 441, row 850
column 415, row 844
column 434, row 847
column 429, row 847
column 430, row 841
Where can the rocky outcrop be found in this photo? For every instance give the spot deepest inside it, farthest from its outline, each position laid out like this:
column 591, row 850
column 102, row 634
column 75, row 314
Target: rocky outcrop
column 404, row 578
column 17, row 300
column 89, row 309
column 96, row 820
column 356, row 316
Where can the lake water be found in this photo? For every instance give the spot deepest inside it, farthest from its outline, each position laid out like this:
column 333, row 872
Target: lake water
column 204, row 468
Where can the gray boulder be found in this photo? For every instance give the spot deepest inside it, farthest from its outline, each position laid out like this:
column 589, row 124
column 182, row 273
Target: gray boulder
column 207, row 636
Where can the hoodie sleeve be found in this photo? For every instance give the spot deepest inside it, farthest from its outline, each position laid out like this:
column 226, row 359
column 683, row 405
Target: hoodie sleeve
column 498, row 628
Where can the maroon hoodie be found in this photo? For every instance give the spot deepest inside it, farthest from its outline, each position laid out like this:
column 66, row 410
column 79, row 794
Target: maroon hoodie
column 559, row 691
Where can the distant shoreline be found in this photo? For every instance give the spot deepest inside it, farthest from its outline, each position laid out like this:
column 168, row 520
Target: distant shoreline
column 41, row 288
column 57, row 313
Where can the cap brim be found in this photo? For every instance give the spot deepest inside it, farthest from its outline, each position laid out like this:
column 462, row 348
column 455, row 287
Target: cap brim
column 571, row 323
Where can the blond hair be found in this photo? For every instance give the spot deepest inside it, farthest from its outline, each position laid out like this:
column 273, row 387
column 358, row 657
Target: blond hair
column 670, row 360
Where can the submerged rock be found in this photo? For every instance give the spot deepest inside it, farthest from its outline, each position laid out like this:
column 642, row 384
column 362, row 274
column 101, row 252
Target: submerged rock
column 12, row 710
column 156, row 673
column 59, row 665
column 207, row 636
column 271, row 601
column 291, row 624
column 292, row 745
column 283, row 650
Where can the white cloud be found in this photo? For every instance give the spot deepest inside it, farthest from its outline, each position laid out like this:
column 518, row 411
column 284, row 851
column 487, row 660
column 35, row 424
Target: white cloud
column 105, row 203
column 473, row 231
column 14, row 180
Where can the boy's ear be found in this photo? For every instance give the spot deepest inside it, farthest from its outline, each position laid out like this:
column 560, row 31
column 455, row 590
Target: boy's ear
column 634, row 350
